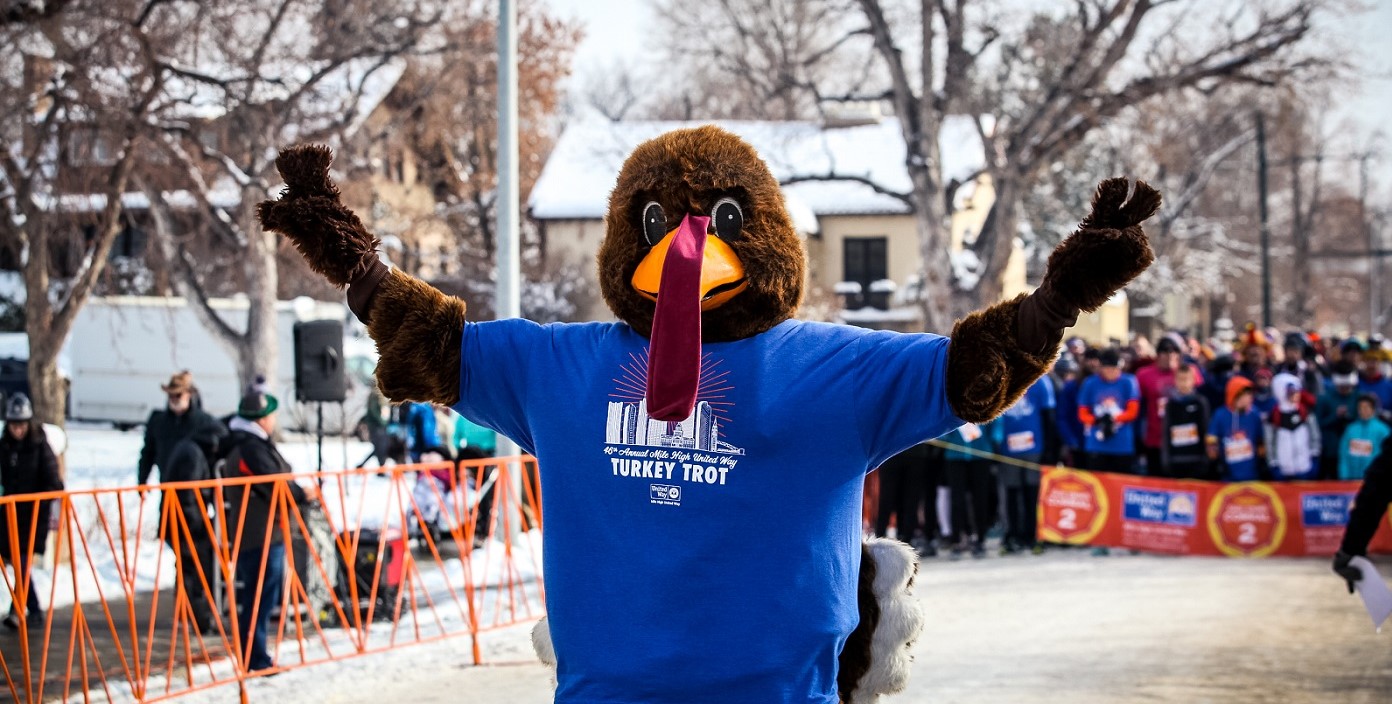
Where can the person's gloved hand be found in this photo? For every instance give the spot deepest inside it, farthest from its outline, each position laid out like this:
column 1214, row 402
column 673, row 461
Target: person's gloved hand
column 1343, row 568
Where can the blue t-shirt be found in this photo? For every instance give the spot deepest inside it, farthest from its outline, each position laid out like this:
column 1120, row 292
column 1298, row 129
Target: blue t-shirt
column 1110, row 398
column 1070, row 428
column 715, row 558
column 1022, row 425
column 1239, row 438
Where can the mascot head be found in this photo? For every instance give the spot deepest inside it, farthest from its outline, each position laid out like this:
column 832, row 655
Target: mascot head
column 698, row 247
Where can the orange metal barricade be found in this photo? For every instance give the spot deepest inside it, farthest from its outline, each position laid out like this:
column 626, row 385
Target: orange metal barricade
column 383, row 558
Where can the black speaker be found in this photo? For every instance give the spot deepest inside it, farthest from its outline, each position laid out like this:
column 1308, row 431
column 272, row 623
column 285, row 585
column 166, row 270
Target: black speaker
column 319, row 361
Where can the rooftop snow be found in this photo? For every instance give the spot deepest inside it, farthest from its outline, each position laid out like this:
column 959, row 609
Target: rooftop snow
column 581, row 171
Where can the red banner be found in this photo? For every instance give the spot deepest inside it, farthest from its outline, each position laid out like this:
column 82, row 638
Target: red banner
column 1247, row 519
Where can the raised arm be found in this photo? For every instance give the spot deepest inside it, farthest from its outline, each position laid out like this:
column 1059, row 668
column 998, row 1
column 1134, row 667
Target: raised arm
column 417, row 328
column 998, row 352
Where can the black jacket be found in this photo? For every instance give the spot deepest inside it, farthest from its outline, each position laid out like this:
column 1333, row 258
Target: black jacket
column 251, row 456
column 27, row 466
column 163, row 433
column 1370, row 503
column 1192, row 454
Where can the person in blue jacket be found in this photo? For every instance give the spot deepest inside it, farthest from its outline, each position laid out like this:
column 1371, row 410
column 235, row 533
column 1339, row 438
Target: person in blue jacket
column 421, row 431
column 1109, row 405
column 1026, row 432
column 1070, row 428
column 1362, row 440
column 1235, row 435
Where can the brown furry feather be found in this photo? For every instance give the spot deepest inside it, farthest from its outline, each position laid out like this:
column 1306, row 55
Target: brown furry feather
column 1107, row 251
column 418, row 331
column 686, row 171
column 309, row 212
column 855, row 656
column 987, row 370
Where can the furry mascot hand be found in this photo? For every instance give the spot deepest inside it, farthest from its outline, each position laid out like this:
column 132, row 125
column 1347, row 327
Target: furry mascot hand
column 998, row 352
column 417, row 329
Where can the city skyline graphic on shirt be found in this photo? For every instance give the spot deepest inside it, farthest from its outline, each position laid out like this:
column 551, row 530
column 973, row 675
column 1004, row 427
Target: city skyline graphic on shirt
column 628, row 423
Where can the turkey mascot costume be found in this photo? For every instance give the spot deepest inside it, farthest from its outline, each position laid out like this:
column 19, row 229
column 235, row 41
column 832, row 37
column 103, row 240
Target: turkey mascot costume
column 702, row 460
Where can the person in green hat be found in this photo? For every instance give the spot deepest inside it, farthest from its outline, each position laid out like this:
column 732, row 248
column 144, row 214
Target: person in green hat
column 255, row 522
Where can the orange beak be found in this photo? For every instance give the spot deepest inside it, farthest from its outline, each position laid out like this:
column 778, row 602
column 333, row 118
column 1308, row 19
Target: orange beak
column 722, row 274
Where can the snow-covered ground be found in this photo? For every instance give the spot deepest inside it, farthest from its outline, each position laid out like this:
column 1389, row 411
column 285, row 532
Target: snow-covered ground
column 1065, row 627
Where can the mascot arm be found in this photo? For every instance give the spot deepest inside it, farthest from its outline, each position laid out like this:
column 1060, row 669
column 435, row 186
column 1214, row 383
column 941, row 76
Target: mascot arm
column 417, row 329
column 997, row 353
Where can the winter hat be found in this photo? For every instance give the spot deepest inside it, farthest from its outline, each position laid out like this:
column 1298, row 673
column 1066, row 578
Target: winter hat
column 1296, row 341
column 1237, row 386
column 1282, row 386
column 1109, row 357
column 1253, row 336
column 179, row 383
column 1351, row 345
column 255, row 406
column 1166, row 344
column 18, row 409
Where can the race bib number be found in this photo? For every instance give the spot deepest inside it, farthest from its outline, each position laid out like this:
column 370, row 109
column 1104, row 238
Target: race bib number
column 1361, row 448
column 1022, row 441
column 1184, row 435
column 1238, row 449
column 971, row 432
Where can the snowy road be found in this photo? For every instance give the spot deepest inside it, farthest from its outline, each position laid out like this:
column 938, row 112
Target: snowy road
column 1066, row 627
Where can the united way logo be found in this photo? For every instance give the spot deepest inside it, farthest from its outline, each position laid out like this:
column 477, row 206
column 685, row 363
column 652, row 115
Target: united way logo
column 664, row 494
column 1325, row 510
column 1175, row 508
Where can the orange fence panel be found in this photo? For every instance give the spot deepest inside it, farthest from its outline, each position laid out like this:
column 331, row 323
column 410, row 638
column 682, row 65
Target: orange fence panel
column 149, row 607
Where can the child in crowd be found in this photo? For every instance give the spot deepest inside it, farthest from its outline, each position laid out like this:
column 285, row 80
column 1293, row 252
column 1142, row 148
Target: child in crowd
column 1293, row 439
column 1235, row 438
column 1362, row 440
column 1185, row 419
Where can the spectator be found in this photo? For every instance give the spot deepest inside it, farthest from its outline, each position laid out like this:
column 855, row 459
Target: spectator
column 1335, row 409
column 1372, row 381
column 254, row 515
column 1214, row 388
column 1025, row 432
column 1299, row 360
column 1293, row 438
column 901, row 492
column 1262, row 398
column 1351, row 351
column 972, row 488
column 27, row 466
column 1156, row 381
column 1070, row 428
column 1255, row 352
column 182, row 441
column 1185, row 420
column 375, row 420
column 1108, row 406
column 182, row 418
column 1235, row 438
column 421, row 433
column 1362, row 440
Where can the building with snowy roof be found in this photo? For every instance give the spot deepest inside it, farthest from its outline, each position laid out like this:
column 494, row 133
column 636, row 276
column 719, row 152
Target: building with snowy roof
column 840, row 182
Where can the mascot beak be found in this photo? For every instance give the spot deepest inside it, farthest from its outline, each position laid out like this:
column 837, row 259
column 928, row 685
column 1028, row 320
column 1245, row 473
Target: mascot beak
column 722, row 273
column 674, row 348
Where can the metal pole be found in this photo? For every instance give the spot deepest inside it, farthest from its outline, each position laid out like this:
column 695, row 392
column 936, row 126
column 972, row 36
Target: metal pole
column 1265, row 231
column 508, row 303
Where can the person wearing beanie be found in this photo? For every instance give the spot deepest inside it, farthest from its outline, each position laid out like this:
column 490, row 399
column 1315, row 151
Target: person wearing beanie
column 1335, row 409
column 254, row 521
column 1235, row 438
column 1184, row 421
column 1256, row 354
column 1109, row 404
column 27, row 466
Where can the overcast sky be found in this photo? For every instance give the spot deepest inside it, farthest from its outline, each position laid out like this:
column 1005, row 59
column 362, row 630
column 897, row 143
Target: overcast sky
column 619, row 30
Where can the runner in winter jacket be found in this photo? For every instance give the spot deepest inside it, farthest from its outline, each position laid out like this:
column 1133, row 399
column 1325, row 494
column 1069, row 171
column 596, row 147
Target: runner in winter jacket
column 1235, row 439
column 27, row 466
column 1362, row 439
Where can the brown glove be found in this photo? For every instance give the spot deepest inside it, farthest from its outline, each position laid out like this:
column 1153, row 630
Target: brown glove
column 1107, row 251
column 328, row 234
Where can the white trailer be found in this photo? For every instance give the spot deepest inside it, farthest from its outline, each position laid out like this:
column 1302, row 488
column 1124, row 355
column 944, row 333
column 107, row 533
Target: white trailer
column 122, row 348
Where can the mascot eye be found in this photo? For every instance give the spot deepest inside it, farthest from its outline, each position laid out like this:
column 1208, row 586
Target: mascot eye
column 729, row 219
column 654, row 223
